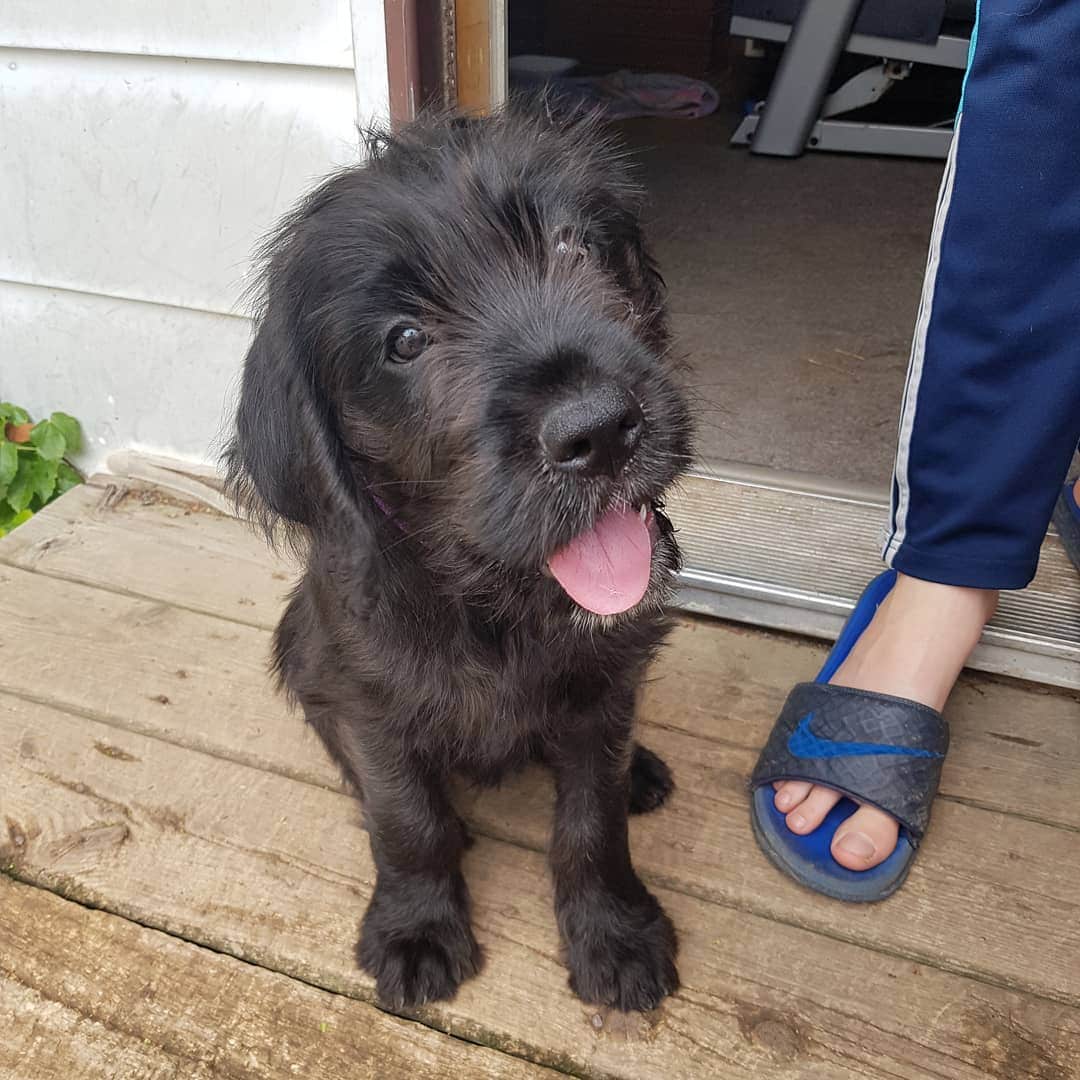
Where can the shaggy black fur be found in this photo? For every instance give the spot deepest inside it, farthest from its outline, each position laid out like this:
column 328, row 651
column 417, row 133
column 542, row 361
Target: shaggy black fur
column 422, row 314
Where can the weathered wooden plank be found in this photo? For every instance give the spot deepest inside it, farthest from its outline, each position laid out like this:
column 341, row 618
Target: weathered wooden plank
column 1016, row 746
column 991, row 894
column 88, row 994
column 145, row 541
column 43, row 1039
column 115, row 656
column 277, row 872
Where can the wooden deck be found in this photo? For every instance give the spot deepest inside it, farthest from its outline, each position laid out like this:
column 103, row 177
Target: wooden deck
column 183, row 873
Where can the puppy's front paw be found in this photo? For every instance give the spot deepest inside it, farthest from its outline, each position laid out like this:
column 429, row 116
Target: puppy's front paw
column 650, row 781
column 415, row 964
column 621, row 956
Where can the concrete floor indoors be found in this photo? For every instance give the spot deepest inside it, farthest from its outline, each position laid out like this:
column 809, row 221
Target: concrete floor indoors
column 793, row 289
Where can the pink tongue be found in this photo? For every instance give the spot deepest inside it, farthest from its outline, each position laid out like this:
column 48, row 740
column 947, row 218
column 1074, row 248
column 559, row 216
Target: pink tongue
column 606, row 570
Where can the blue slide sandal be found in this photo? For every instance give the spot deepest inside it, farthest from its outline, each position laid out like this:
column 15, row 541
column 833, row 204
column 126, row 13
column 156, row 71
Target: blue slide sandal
column 1067, row 522
column 877, row 749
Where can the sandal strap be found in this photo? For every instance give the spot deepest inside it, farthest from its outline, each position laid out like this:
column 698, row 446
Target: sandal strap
column 875, row 748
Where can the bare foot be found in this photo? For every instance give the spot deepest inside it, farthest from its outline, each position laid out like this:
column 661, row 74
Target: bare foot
column 915, row 647
column 1076, row 491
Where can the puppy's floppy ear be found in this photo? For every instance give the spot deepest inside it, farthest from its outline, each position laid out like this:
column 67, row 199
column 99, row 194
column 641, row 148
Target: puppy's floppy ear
column 286, row 463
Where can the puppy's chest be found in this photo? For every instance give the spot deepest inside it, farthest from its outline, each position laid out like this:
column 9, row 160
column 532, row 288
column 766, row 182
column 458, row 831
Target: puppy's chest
column 509, row 691
column 515, row 688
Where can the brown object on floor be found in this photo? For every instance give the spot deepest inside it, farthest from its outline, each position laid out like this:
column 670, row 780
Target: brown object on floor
column 217, row 820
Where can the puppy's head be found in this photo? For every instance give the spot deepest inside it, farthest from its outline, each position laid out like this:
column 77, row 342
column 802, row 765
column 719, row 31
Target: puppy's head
column 463, row 341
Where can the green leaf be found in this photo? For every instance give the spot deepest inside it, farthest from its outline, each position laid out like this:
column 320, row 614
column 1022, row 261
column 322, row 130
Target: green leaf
column 12, row 414
column 66, row 478
column 21, row 490
column 69, row 428
column 48, row 439
column 43, row 478
column 34, row 483
column 8, row 522
column 9, row 464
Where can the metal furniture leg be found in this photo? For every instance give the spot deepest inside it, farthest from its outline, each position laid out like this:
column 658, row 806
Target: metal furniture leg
column 796, row 94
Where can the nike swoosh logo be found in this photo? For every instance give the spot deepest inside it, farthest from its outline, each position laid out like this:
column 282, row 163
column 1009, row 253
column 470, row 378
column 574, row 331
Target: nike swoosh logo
column 803, row 743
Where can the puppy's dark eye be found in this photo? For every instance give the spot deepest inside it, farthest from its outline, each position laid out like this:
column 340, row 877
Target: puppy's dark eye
column 407, row 343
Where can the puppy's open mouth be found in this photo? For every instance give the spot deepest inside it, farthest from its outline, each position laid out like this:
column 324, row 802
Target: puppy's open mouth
column 606, row 570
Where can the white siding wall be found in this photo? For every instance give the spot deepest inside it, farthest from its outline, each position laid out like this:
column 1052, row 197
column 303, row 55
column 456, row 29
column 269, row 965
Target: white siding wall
column 144, row 149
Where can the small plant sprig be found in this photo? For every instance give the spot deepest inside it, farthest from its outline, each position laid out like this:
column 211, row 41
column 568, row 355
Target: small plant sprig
column 33, row 471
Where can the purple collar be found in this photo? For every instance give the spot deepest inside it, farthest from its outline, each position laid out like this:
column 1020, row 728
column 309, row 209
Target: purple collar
column 386, row 511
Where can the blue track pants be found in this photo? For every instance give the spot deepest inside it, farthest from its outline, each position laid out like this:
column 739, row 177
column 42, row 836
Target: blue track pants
column 991, row 412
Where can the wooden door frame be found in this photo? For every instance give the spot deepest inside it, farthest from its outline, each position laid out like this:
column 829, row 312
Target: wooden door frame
column 445, row 53
column 482, row 54
column 402, row 59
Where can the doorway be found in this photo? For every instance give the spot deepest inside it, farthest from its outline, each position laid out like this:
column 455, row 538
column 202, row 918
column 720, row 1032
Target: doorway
column 793, row 289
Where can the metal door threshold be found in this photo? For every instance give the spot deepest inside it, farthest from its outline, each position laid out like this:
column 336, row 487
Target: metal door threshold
column 788, row 552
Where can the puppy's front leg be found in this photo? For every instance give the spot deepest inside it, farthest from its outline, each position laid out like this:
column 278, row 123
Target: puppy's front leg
column 415, row 938
column 620, row 945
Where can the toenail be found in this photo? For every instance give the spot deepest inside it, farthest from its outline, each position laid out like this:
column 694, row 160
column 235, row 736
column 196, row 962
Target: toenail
column 858, row 844
column 784, row 800
column 797, row 823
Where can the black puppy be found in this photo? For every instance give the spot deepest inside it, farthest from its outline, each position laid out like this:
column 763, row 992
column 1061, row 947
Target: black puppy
column 458, row 402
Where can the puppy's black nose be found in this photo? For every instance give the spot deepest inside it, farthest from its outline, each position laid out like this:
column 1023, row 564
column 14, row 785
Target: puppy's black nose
column 594, row 433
